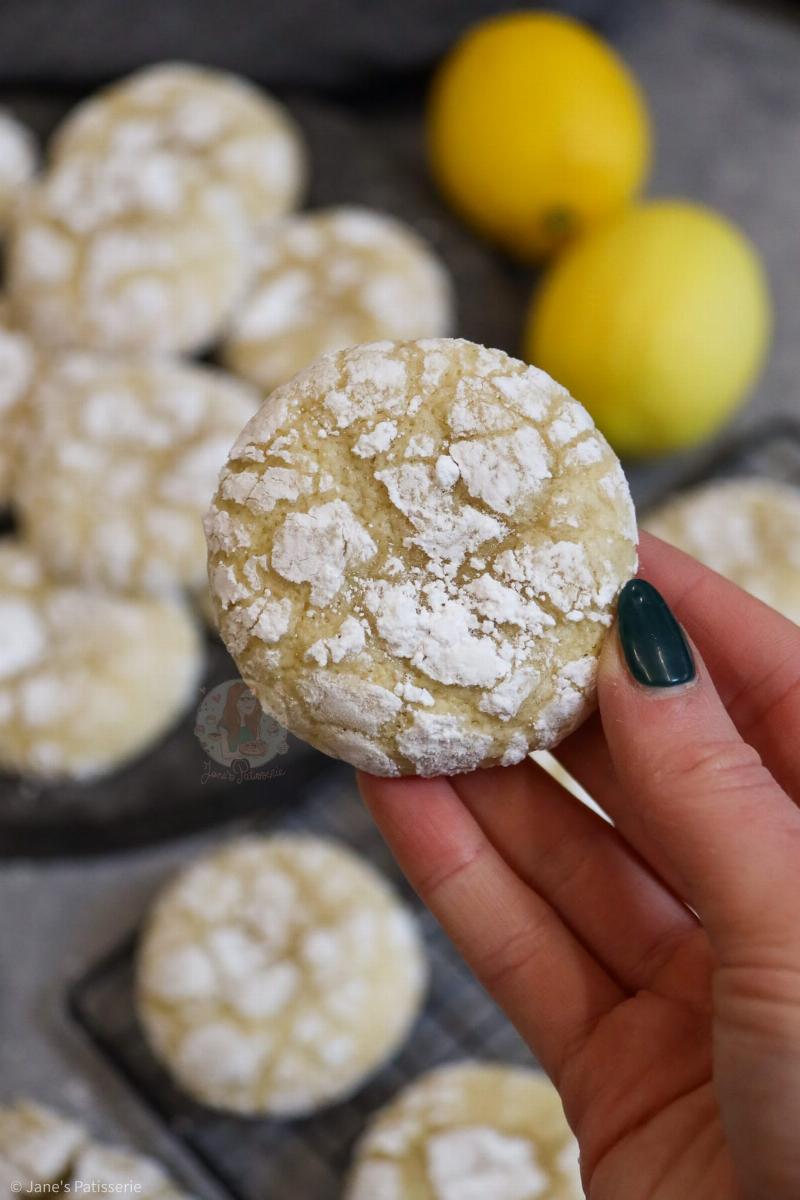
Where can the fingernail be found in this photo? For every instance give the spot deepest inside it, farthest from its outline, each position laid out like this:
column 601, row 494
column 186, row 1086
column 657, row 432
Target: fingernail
column 653, row 642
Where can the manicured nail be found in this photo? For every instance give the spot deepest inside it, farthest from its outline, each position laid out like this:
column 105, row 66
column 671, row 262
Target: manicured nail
column 653, row 643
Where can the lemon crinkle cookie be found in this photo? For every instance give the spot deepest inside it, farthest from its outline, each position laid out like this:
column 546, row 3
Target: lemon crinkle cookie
column 238, row 133
column 277, row 973
column 332, row 279
column 37, row 1145
column 128, row 252
column 119, row 461
column 40, row 1146
column 415, row 552
column 18, row 158
column 113, row 1169
column 17, row 368
column 469, row 1131
column 87, row 680
column 745, row 529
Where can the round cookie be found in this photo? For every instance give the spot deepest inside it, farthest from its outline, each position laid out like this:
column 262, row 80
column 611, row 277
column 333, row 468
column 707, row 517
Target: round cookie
column 17, row 367
column 37, row 1145
column 113, row 1170
column 238, row 133
column 87, row 680
column 415, row 552
column 276, row 974
column 40, row 1146
column 120, row 458
column 332, row 279
column 745, row 529
column 469, row 1131
column 18, row 158
column 137, row 253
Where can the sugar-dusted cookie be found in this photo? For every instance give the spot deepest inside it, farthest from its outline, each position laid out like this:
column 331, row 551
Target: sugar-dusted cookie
column 42, row 1151
column 277, row 973
column 415, row 552
column 118, row 463
column 87, row 680
column 236, row 131
column 746, row 529
column 37, row 1145
column 128, row 252
column 330, row 279
column 110, row 1170
column 469, row 1131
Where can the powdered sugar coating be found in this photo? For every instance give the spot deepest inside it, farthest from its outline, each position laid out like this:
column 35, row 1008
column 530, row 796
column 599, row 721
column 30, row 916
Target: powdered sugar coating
column 469, row 1131
column 18, row 159
column 238, row 133
column 277, row 973
column 111, row 1169
column 87, row 680
column 746, row 529
column 468, row 567
column 119, row 458
column 40, row 1146
column 331, row 279
column 127, row 252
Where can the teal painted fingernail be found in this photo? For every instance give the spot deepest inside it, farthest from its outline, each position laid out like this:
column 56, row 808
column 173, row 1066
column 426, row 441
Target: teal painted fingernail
column 653, row 642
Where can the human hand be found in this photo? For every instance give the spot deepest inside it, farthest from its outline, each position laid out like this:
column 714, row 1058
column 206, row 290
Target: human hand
column 674, row 1039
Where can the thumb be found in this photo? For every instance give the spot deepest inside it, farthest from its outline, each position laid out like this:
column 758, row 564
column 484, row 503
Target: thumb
column 696, row 800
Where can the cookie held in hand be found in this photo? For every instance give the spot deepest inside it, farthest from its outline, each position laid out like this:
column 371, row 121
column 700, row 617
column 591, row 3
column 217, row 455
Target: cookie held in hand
column 415, row 552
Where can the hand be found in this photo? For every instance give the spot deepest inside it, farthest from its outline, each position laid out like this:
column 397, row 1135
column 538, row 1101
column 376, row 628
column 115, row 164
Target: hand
column 673, row 1038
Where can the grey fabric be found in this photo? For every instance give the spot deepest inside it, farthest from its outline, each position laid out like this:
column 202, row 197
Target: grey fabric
column 319, row 43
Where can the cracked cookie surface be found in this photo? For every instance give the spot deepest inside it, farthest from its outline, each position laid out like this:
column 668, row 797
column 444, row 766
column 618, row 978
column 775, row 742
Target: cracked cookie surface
column 87, row 680
column 745, row 529
column 330, row 279
column 237, row 132
column 415, row 552
column 469, row 1131
column 277, row 973
column 141, row 252
column 43, row 1151
column 118, row 460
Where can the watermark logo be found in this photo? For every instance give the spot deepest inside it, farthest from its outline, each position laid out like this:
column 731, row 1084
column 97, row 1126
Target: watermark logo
column 236, row 734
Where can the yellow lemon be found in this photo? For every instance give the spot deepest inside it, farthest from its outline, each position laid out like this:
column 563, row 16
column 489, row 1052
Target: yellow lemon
column 536, row 129
column 658, row 322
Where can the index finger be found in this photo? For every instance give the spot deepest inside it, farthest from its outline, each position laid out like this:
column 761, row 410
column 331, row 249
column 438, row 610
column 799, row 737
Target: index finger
column 548, row 983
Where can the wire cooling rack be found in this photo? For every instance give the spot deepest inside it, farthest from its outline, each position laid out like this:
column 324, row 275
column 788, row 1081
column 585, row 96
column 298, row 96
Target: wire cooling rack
column 254, row 1159
column 263, row 1159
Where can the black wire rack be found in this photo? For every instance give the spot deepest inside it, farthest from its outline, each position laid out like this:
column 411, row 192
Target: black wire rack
column 265, row 1159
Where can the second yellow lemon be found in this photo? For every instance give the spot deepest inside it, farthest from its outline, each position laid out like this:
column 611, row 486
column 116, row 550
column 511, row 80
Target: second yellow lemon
column 536, row 129
column 658, row 322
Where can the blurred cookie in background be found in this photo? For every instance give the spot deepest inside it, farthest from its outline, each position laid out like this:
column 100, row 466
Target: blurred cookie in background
column 17, row 368
column 111, row 1169
column 43, row 1151
column 19, row 157
column 277, row 973
column 87, row 680
column 37, row 1146
column 331, row 279
column 745, row 529
column 469, row 1130
column 239, row 133
column 118, row 464
column 128, row 252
